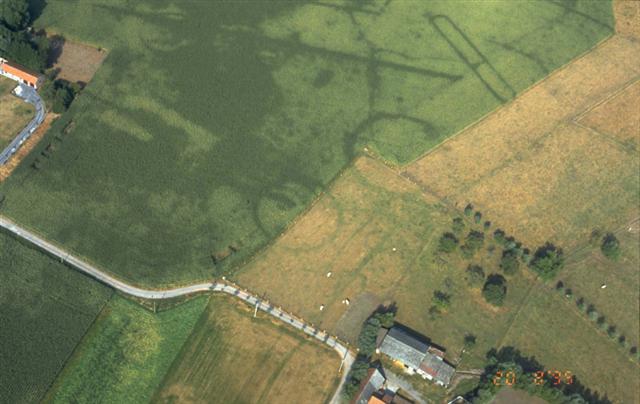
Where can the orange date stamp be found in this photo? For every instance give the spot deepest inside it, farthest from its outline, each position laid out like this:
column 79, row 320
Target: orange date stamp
column 555, row 377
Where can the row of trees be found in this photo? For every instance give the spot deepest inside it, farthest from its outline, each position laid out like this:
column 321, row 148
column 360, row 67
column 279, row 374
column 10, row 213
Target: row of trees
column 522, row 374
column 384, row 317
column 17, row 42
column 598, row 318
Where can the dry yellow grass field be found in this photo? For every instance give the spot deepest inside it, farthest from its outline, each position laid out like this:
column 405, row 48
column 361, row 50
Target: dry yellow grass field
column 531, row 169
column 232, row 357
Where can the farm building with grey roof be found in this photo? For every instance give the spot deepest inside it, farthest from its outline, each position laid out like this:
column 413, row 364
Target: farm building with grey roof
column 415, row 354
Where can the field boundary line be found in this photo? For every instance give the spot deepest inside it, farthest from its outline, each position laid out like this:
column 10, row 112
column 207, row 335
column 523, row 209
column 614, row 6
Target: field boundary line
column 606, row 99
column 552, row 73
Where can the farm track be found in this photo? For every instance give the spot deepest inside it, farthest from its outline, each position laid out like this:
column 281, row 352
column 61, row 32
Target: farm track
column 346, row 356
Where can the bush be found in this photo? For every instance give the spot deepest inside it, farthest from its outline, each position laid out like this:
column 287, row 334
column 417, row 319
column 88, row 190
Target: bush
column 581, row 304
column 559, row 286
column 458, row 225
column 612, row 332
column 622, row 340
column 509, row 262
column 486, row 225
column 473, row 242
column 495, row 290
column 468, row 209
column 441, row 299
column 469, row 341
column 594, row 315
column 475, row 275
column 610, row 247
column 499, row 236
column 568, row 293
column 547, row 261
column 477, row 217
column 58, row 94
column 447, row 243
column 596, row 236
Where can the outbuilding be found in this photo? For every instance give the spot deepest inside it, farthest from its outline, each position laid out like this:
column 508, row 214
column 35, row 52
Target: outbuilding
column 20, row 73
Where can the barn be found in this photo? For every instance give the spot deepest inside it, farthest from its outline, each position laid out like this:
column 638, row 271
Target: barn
column 20, row 74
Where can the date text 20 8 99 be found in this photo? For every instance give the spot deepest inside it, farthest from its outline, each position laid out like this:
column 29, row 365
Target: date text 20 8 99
column 556, row 377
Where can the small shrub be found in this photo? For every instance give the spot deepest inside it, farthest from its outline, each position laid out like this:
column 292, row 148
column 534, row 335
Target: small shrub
column 594, row 315
column 477, row 217
column 447, row 243
column 468, row 210
column 469, row 341
column 559, row 286
column 495, row 290
column 612, row 332
column 568, row 293
column 475, row 275
column 458, row 225
column 581, row 304
column 499, row 236
column 596, row 236
column 633, row 350
column 610, row 247
column 622, row 340
column 473, row 242
column 509, row 262
column 441, row 299
column 486, row 225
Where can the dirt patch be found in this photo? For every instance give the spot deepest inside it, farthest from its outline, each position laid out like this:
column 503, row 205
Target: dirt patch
column 507, row 166
column 27, row 146
column 618, row 116
column 350, row 324
column 512, row 396
column 78, row 62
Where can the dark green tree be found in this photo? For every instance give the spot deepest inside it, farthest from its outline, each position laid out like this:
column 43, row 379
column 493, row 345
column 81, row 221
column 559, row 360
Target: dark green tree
column 547, row 261
column 495, row 290
column 469, row 341
column 447, row 243
column 14, row 14
column 458, row 225
column 610, row 246
column 472, row 243
column 477, row 217
column 509, row 263
column 468, row 210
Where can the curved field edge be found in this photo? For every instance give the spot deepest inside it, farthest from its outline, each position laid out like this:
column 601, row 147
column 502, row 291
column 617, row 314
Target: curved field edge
column 161, row 170
column 125, row 355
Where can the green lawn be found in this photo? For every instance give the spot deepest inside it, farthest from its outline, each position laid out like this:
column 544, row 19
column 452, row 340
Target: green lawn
column 126, row 353
column 211, row 125
column 45, row 309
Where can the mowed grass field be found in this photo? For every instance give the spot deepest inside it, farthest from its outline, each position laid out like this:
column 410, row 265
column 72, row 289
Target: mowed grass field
column 14, row 113
column 126, row 353
column 232, row 357
column 211, row 125
column 550, row 328
column 352, row 232
column 587, row 271
column 536, row 168
column 45, row 309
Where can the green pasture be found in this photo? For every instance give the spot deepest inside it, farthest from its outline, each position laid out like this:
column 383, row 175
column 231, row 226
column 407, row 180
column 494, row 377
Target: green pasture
column 45, row 309
column 211, row 125
column 125, row 355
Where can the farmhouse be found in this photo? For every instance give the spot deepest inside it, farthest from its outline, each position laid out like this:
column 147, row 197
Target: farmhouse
column 19, row 73
column 370, row 385
column 417, row 356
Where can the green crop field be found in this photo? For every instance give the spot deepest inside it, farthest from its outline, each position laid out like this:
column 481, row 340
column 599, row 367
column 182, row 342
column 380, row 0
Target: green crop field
column 211, row 125
column 45, row 309
column 126, row 353
column 232, row 357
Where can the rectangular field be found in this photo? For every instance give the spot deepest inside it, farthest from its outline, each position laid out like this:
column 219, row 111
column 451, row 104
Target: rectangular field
column 232, row 357
column 533, row 169
column 126, row 353
column 45, row 310
column 551, row 329
column 211, row 125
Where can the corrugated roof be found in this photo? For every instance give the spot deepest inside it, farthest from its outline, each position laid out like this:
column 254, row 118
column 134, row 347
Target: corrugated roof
column 370, row 385
column 437, row 368
column 401, row 346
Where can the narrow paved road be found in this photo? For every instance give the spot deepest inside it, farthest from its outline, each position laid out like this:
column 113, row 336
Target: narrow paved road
column 31, row 96
column 345, row 355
